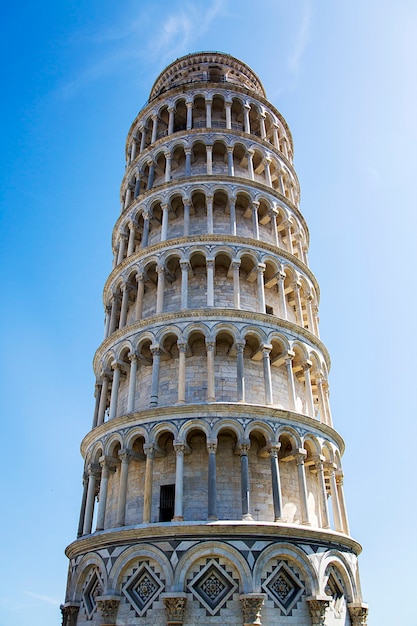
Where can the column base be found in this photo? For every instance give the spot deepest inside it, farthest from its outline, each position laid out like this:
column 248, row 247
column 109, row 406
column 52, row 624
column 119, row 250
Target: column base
column 177, row 518
column 247, row 517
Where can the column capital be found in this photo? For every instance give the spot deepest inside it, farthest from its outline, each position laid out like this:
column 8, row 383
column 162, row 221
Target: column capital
column 182, row 346
column 187, row 150
column 94, row 469
column 339, row 477
column 156, row 350
column 107, row 462
column 243, row 448
column 184, row 264
column 160, row 269
column 261, row 268
column 317, row 606
column 251, row 607
column 180, row 448
column 236, row 264
column 274, row 448
column 132, row 356
column 108, row 606
column 69, row 612
column 175, row 607
column 266, row 348
column 149, row 449
column 210, row 346
column 230, row 149
column 125, row 454
column 306, row 365
column 240, row 345
column 212, row 447
column 358, row 613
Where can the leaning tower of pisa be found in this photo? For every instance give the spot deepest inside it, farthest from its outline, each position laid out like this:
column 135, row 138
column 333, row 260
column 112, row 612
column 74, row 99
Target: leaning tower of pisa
column 213, row 485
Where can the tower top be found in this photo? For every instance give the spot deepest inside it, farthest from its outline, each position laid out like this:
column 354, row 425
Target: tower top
column 212, row 67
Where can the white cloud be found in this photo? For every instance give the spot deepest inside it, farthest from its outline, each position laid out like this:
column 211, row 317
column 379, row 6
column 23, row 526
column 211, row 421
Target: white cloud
column 43, row 598
column 301, row 40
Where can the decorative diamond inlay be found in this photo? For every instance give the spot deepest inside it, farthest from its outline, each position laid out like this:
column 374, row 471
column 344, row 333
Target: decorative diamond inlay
column 335, row 590
column 142, row 589
column 92, row 589
column 284, row 587
column 213, row 587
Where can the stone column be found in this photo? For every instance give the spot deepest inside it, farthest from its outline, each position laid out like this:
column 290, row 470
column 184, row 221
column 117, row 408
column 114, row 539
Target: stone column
column 302, row 486
column 186, row 217
column 281, row 294
column 93, row 473
column 103, row 399
column 185, row 266
column 266, row 349
column 325, row 385
column 236, row 283
column 245, row 483
column 358, row 614
column 174, row 607
column 251, row 608
column 290, row 379
column 228, row 110
column 143, row 130
column 246, row 121
column 209, row 157
column 298, row 239
column 128, row 195
column 340, row 493
column 97, row 394
column 160, row 289
column 69, row 612
column 322, row 409
column 232, row 208
column 210, row 281
column 164, row 225
column 261, row 288
column 251, row 172
column 131, row 243
column 179, row 448
column 113, row 314
column 267, row 166
column 107, row 321
column 318, row 606
column 208, row 112
column 309, row 307
column 273, row 215
column 138, row 181
column 151, row 174
column 122, row 248
column 154, row 128
column 139, row 296
column 105, row 470
column 171, row 112
column 187, row 161
column 149, row 450
column 309, row 392
column 275, row 135
column 167, row 166
column 124, row 455
column 240, row 371
column 133, row 358
column 189, row 124
column 145, row 235
column 107, row 606
column 210, row 347
column 281, row 182
column 337, row 517
column 156, row 358
column 114, row 391
column 182, row 351
column 255, row 220
column 212, row 481
column 298, row 308
column 230, row 166
column 262, row 128
column 288, row 235
column 83, row 505
column 125, row 305
column 276, row 481
column 318, row 462
column 209, row 203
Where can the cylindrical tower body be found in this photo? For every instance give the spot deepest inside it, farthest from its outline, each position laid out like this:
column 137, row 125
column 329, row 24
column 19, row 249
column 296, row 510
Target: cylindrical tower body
column 212, row 455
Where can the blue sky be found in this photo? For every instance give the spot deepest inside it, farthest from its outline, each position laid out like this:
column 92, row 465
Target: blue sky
column 74, row 76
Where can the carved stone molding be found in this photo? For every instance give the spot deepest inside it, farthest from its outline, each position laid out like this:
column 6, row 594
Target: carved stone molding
column 69, row 613
column 107, row 606
column 252, row 607
column 358, row 614
column 175, row 607
column 318, row 607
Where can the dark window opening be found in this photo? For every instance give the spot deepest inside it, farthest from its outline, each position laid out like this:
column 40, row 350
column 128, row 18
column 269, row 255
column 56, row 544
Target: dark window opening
column 269, row 310
column 166, row 503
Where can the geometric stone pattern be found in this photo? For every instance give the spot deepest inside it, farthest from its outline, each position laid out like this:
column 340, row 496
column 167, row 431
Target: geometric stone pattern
column 283, row 587
column 142, row 588
column 213, row 586
column 93, row 588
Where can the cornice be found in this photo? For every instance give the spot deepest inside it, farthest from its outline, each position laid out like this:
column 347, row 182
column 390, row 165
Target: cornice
column 212, row 531
column 212, row 411
column 207, row 239
column 232, row 315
